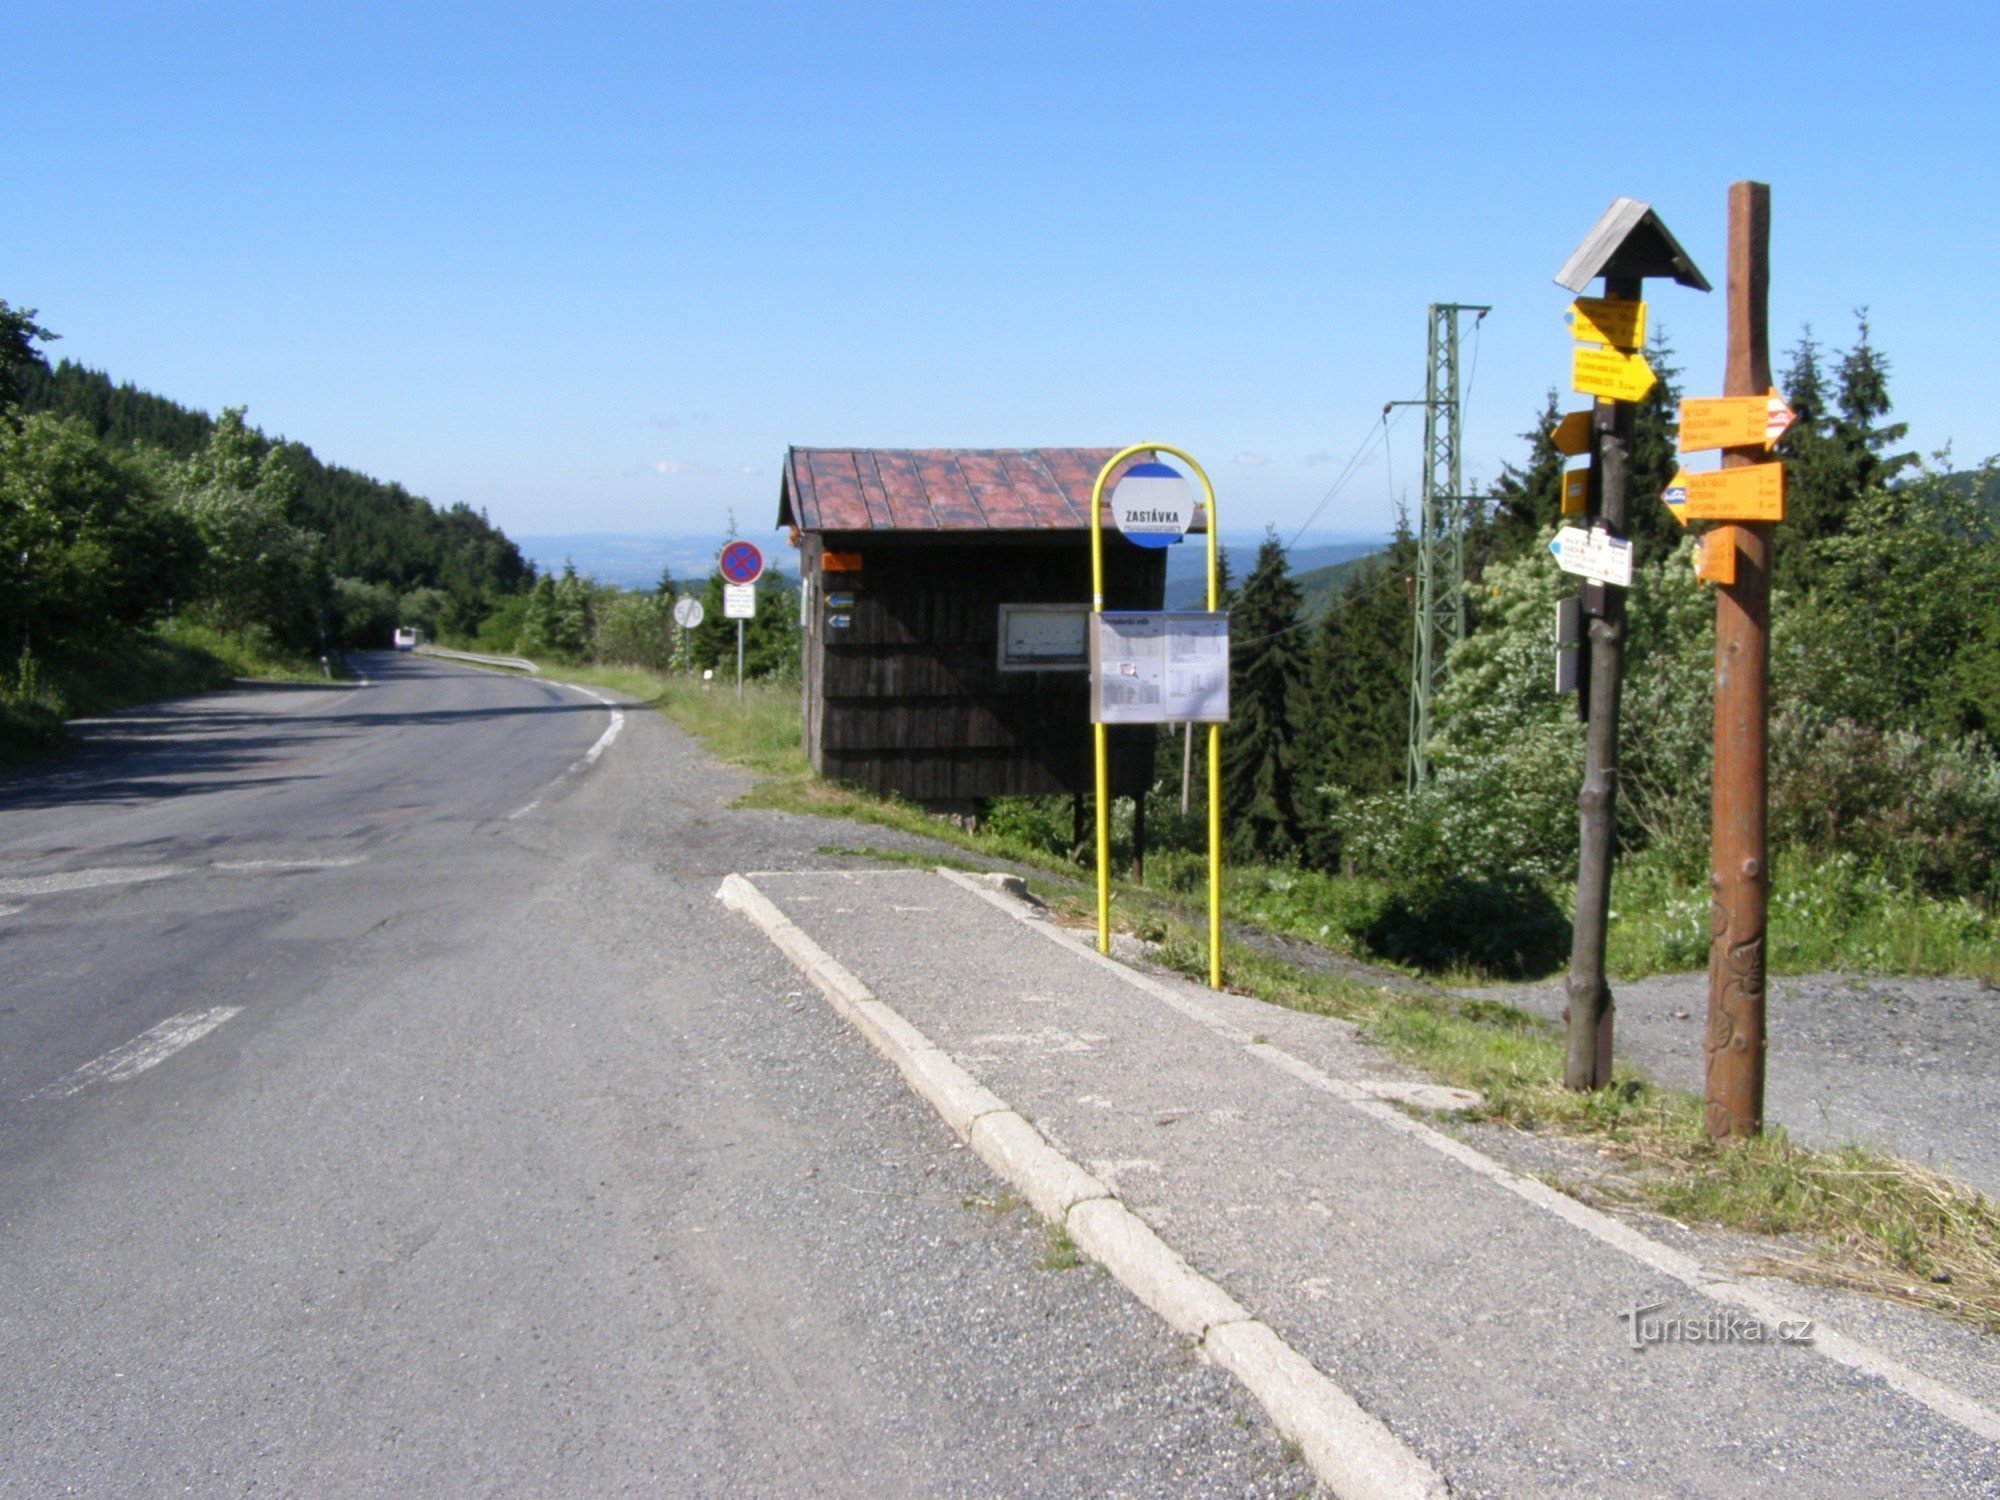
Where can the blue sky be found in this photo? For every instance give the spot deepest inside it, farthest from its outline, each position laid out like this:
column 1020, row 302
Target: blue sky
column 594, row 267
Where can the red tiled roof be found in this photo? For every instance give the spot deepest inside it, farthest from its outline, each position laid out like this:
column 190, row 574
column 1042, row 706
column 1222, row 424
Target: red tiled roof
column 939, row 489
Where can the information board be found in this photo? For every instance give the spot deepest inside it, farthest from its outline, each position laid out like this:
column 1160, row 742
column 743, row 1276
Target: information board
column 1159, row 667
column 739, row 601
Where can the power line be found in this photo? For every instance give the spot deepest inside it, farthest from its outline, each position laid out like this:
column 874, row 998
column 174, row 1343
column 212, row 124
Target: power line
column 1377, row 434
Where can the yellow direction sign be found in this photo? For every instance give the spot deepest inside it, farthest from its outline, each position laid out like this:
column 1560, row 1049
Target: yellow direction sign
column 1733, row 421
column 1576, row 491
column 1599, row 320
column 1754, row 492
column 1572, row 435
column 1610, row 372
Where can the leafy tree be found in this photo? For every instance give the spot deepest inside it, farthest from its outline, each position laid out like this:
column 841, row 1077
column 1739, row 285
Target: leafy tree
column 364, row 614
column 19, row 359
column 85, row 546
column 1260, row 755
column 635, row 629
column 259, row 569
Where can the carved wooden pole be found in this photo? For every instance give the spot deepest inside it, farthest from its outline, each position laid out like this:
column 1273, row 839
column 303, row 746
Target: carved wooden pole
column 1587, row 1062
column 1740, row 869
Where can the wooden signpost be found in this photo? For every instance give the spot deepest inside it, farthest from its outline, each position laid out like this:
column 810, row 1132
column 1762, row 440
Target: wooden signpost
column 1626, row 245
column 1739, row 856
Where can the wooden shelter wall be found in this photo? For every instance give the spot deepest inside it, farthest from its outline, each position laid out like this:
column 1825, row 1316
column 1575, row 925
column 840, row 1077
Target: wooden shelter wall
column 908, row 697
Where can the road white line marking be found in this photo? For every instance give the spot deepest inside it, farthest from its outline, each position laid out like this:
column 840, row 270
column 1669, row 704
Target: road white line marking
column 147, row 1050
column 611, row 730
column 84, row 880
column 1830, row 1343
column 339, row 863
column 589, row 757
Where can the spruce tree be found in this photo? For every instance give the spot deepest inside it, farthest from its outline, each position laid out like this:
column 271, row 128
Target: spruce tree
column 1862, row 401
column 1525, row 501
column 1655, row 457
column 1267, row 674
column 1356, row 720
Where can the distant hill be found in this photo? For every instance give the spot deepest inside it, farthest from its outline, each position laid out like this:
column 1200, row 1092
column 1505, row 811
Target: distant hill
column 635, row 560
column 1321, row 584
column 1187, row 564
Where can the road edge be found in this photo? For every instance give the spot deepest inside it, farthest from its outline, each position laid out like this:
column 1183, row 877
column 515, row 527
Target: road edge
column 1353, row 1453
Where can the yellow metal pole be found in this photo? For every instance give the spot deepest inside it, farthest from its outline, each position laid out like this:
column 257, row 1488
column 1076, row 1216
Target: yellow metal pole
column 1101, row 742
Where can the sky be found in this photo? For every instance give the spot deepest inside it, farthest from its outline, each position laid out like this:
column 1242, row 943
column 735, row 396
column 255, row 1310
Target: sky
column 594, row 267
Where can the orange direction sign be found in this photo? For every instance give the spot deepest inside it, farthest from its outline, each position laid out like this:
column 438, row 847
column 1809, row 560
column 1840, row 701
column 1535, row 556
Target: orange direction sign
column 1754, row 492
column 1599, row 320
column 1715, row 556
column 1576, row 491
column 1733, row 421
column 1610, row 372
column 1572, row 435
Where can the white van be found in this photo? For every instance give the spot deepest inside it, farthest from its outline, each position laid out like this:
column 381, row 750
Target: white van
column 408, row 637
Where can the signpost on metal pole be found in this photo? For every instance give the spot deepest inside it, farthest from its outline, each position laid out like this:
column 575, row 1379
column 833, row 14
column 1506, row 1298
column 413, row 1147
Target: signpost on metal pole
column 741, row 564
column 1740, row 862
column 1153, row 506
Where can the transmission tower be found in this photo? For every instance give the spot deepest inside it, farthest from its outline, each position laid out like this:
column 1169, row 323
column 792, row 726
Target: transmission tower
column 1440, row 592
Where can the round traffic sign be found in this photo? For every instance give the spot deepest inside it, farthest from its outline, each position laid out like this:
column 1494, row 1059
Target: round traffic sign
column 1153, row 505
column 687, row 613
column 742, row 562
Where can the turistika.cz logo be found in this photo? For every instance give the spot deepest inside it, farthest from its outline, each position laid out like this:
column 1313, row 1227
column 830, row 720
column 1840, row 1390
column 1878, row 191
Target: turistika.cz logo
column 1645, row 1328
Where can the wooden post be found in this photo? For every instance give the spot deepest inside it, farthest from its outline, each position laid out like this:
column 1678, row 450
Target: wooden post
column 1740, row 862
column 1587, row 1061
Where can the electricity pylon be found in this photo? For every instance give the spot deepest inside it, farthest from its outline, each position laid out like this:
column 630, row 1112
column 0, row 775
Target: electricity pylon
column 1440, row 589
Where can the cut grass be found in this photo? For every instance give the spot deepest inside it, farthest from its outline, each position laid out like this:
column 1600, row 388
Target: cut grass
column 1863, row 1220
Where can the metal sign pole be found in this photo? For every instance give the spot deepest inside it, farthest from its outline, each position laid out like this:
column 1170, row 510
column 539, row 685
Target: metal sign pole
column 1099, row 736
column 739, row 661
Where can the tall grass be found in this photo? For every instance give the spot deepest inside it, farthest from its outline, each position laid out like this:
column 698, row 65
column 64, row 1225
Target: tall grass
column 38, row 694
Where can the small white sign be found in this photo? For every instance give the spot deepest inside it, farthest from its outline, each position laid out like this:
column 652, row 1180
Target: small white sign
column 1594, row 554
column 739, row 601
column 1159, row 668
column 1153, row 505
column 687, row 613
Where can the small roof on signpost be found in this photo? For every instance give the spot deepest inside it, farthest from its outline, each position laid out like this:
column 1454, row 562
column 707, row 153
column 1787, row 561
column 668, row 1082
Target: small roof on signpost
column 1629, row 241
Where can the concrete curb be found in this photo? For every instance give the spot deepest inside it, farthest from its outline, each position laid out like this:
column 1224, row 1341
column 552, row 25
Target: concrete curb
column 1371, row 1099
column 1354, row 1454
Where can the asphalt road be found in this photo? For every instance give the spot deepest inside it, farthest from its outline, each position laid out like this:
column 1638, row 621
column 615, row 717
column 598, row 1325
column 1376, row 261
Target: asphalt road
column 386, row 1105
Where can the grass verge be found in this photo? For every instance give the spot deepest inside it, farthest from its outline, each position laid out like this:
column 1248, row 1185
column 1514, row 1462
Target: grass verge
column 1859, row 1218
column 1851, row 1218
column 39, row 695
